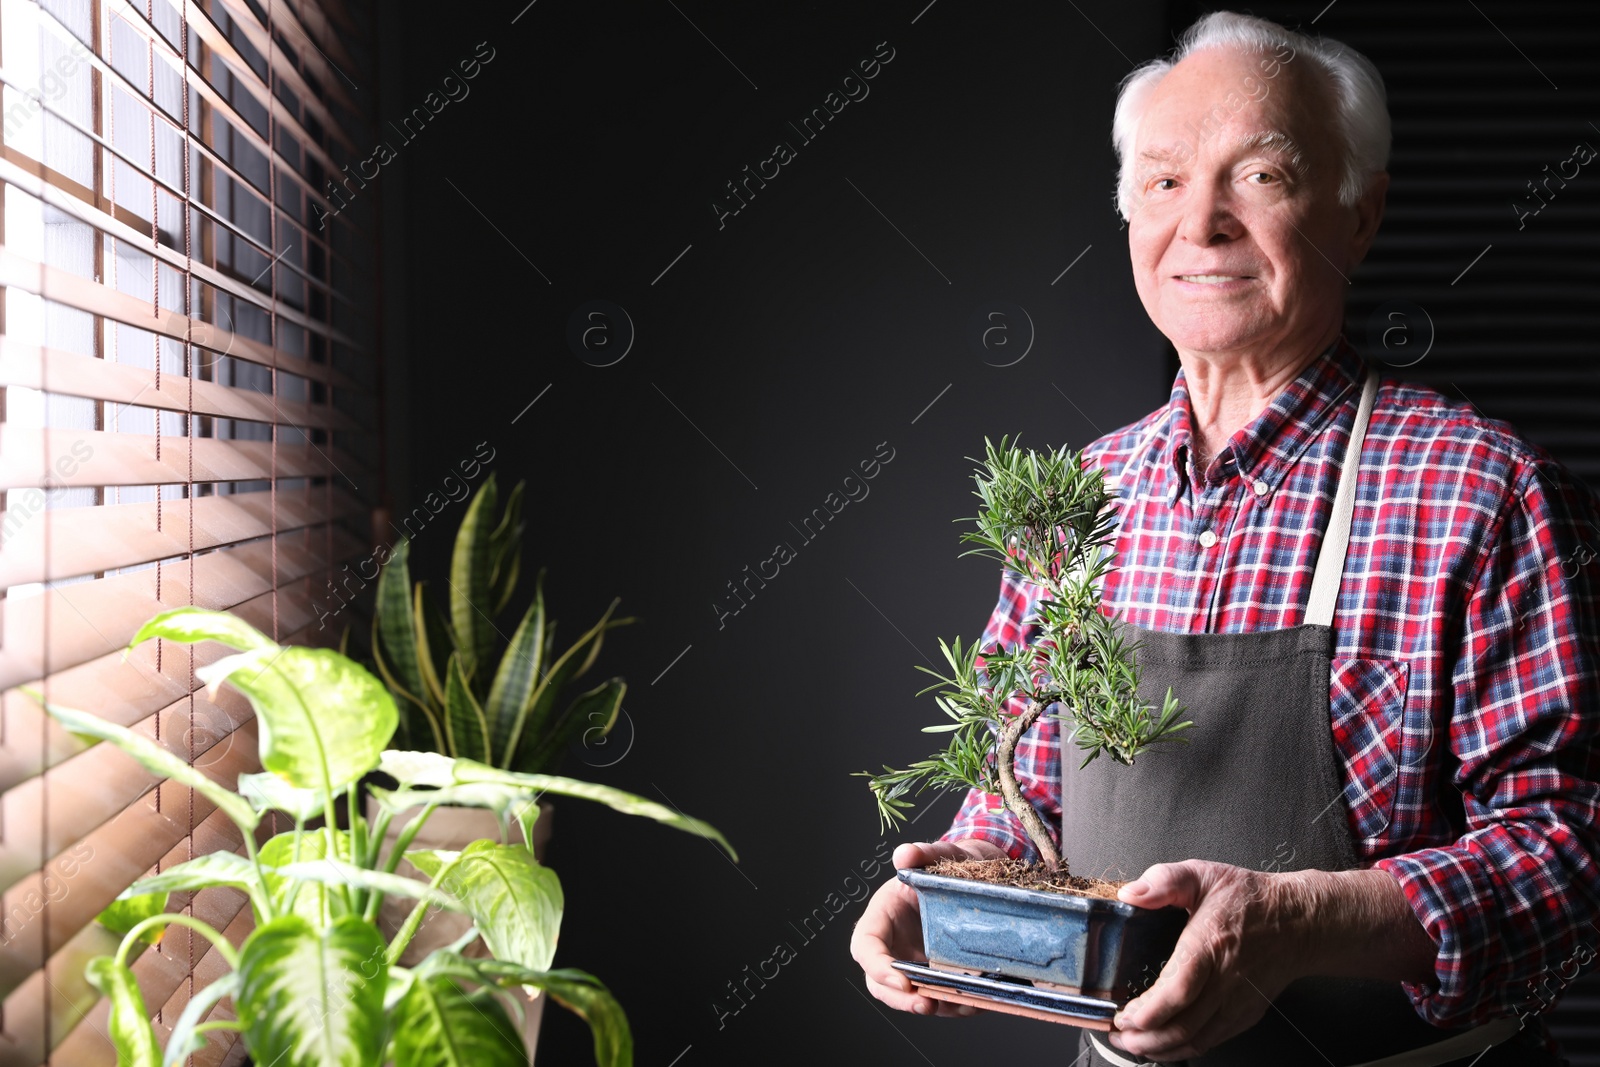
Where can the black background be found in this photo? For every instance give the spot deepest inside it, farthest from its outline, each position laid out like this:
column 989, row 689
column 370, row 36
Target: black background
column 832, row 314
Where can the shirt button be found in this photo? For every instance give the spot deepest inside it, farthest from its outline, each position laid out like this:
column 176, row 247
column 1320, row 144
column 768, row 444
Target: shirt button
column 1207, row 538
column 1260, row 487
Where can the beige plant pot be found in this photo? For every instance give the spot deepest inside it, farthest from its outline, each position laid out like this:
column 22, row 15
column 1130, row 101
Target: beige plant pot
column 454, row 829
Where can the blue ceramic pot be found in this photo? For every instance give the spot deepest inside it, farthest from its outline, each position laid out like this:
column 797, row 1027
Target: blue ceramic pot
column 1099, row 948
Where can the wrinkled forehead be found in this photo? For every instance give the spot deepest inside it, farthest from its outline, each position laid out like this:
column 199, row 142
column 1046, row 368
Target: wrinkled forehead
column 1241, row 98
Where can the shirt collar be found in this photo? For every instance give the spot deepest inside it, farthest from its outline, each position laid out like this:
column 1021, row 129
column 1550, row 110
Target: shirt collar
column 1265, row 448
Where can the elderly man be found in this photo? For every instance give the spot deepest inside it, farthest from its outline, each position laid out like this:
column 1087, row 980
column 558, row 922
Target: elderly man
column 1377, row 605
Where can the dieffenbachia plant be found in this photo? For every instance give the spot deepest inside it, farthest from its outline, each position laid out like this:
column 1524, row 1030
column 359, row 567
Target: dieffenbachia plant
column 457, row 689
column 1045, row 517
column 316, row 984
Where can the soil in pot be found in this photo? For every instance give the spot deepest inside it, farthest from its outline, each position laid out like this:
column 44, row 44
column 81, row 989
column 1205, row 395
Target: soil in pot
column 1026, row 876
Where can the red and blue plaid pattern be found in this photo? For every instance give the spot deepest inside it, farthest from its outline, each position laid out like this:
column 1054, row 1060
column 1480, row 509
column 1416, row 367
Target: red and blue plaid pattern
column 1465, row 688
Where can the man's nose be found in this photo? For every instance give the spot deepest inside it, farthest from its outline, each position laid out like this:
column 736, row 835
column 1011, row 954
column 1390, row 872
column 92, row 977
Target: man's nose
column 1209, row 215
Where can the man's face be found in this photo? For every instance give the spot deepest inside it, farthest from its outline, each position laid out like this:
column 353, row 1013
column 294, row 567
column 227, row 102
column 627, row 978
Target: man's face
column 1236, row 248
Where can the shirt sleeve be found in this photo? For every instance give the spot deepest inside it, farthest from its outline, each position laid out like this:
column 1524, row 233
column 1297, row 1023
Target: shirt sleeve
column 983, row 815
column 1514, row 903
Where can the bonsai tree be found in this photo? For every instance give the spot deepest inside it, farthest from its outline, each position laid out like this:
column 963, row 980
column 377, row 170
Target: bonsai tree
column 1045, row 517
column 460, row 689
column 316, row 984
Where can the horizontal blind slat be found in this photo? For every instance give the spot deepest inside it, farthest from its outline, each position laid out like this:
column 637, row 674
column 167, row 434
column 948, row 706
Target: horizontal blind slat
column 83, row 294
column 119, row 605
column 43, row 816
column 127, row 691
column 68, row 542
column 105, row 862
column 74, row 374
column 98, row 458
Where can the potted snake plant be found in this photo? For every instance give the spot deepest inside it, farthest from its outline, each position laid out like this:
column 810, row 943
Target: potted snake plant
column 1036, row 939
column 464, row 690
column 317, row 983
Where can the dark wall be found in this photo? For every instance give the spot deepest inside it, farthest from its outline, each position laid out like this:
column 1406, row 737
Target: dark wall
column 825, row 324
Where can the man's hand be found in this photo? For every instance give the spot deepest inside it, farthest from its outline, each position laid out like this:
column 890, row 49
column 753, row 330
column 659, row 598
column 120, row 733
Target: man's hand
column 891, row 927
column 1250, row 934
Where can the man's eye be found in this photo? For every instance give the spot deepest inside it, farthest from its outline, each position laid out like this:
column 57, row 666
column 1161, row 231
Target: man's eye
column 1163, row 184
column 1268, row 178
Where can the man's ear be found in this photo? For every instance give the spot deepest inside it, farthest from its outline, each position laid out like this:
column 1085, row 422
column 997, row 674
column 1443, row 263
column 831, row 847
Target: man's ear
column 1368, row 215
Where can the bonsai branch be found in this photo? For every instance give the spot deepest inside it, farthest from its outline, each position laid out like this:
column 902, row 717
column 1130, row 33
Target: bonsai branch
column 1011, row 792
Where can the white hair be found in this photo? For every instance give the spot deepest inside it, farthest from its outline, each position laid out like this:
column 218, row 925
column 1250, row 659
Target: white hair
column 1361, row 110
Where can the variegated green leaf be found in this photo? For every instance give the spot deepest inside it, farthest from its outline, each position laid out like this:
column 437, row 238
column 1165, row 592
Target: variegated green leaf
column 191, row 625
column 214, row 868
column 314, row 902
column 133, row 907
column 324, row 719
column 313, row 997
column 267, row 792
column 417, row 768
column 578, row 991
column 469, row 771
column 339, row 872
column 437, row 1025
column 515, row 902
column 155, row 759
column 129, row 1022
column 184, row 1042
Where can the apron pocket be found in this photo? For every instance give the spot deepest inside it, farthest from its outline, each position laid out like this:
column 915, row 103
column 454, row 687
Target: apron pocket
column 1367, row 713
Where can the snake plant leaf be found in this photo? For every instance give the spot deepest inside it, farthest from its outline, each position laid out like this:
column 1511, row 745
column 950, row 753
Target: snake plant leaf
column 418, row 723
column 131, row 1033
column 312, row 997
column 184, row 1042
column 434, row 644
column 515, row 902
column 519, row 673
column 437, row 1025
column 324, row 719
column 505, row 551
column 591, row 715
column 528, row 731
column 506, row 578
column 132, row 907
column 191, row 625
column 578, row 992
column 314, row 902
column 153, row 758
column 267, row 792
column 469, row 771
column 471, row 599
column 464, row 721
column 393, row 622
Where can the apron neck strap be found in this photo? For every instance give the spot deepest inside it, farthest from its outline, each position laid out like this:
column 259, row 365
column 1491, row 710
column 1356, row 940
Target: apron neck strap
column 1330, row 558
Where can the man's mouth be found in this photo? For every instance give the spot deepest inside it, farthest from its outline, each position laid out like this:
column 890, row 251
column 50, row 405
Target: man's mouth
column 1212, row 279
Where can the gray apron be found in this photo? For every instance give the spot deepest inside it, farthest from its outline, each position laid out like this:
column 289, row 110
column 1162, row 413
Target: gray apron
column 1257, row 786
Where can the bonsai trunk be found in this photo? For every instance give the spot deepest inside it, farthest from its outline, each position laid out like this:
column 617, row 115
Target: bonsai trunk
column 1011, row 792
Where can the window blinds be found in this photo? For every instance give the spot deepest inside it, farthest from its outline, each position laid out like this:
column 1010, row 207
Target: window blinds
column 188, row 415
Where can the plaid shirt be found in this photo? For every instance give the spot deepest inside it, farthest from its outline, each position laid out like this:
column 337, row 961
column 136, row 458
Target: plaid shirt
column 1464, row 698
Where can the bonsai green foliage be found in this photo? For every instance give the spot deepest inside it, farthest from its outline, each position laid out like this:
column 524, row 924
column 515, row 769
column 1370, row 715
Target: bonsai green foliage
column 459, row 692
column 315, row 984
column 1046, row 517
